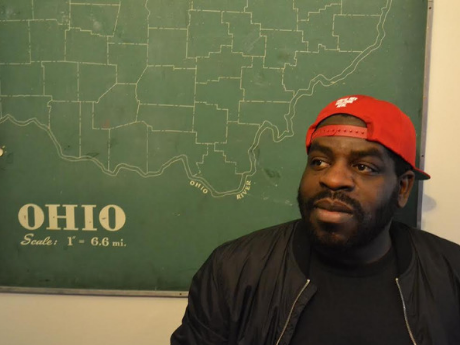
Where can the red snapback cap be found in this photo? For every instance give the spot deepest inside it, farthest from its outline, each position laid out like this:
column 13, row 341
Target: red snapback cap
column 386, row 124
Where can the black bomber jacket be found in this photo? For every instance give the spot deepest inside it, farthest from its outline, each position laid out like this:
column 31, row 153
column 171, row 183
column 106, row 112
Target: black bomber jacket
column 251, row 291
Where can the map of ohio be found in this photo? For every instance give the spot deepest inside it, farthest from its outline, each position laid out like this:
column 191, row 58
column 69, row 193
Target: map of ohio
column 144, row 84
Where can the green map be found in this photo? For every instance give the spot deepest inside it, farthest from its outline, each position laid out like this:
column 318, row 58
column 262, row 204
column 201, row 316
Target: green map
column 136, row 136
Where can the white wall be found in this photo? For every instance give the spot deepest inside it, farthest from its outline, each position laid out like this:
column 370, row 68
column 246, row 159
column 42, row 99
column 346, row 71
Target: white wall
column 85, row 320
column 440, row 212
column 72, row 320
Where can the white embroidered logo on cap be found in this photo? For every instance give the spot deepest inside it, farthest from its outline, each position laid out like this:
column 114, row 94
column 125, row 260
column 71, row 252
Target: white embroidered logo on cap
column 341, row 103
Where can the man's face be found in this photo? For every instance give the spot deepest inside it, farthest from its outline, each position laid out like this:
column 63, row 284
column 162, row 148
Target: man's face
column 348, row 192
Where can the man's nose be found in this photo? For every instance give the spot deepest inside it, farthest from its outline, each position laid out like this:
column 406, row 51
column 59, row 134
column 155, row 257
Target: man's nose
column 338, row 176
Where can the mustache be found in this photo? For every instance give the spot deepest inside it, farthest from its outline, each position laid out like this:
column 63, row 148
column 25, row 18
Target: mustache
column 328, row 194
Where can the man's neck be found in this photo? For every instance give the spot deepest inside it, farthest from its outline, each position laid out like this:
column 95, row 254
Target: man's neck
column 367, row 254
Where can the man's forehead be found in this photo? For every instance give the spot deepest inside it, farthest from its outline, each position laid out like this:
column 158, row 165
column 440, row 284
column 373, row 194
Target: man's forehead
column 342, row 119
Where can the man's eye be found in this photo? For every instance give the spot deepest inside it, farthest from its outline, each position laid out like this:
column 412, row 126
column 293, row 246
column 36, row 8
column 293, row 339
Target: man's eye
column 364, row 168
column 316, row 162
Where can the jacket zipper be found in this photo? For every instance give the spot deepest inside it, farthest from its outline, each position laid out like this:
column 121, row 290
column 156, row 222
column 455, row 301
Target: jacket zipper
column 405, row 312
column 308, row 282
column 292, row 309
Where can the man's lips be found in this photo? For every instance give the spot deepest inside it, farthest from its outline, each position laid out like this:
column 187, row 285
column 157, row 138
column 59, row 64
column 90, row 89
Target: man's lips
column 333, row 206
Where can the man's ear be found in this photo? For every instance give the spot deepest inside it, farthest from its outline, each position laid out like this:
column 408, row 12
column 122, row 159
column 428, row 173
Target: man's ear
column 406, row 182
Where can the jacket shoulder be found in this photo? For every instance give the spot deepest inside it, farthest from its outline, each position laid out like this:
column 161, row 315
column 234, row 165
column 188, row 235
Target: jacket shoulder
column 258, row 243
column 252, row 257
column 429, row 238
column 435, row 248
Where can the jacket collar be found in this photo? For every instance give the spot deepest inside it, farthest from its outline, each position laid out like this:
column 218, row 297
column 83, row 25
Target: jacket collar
column 402, row 244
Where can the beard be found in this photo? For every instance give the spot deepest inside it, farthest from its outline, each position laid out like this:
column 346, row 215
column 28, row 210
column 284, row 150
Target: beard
column 369, row 225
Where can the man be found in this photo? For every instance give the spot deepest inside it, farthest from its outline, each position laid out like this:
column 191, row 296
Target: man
column 346, row 273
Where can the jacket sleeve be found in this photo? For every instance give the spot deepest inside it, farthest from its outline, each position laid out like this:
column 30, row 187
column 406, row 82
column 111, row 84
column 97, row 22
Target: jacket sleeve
column 206, row 318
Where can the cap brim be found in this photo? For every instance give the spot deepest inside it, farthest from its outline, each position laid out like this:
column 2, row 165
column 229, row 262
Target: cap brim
column 420, row 174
